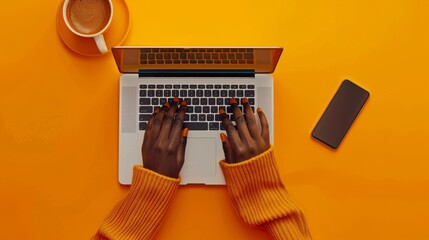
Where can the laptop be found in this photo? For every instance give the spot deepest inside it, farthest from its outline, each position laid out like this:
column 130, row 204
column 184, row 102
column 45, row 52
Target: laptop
column 207, row 78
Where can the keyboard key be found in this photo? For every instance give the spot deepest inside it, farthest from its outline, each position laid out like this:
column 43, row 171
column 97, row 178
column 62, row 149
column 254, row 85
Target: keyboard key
column 217, row 117
column 219, row 101
column 187, row 118
column 215, row 93
column 252, row 101
column 142, row 93
column 167, row 93
column 206, row 109
column 227, row 101
column 198, row 109
column 162, row 101
column 249, row 93
column 191, row 93
column 223, row 93
column 193, row 86
column 210, row 117
column 218, row 86
column 201, row 117
column 217, row 61
column 169, row 86
column 158, row 93
column 175, row 93
column 201, row 86
column 155, row 101
column 225, row 86
column 207, row 93
column 242, row 86
column 193, row 61
column 196, row 125
column 251, row 86
column 144, row 117
column 168, row 61
column 234, row 86
column 209, row 86
column 203, row 101
column 183, row 93
column 146, row 109
column 212, row 101
column 143, row 86
column 142, row 126
column 151, row 93
column 200, row 93
column 160, row 86
column 195, row 101
column 231, row 93
column 194, row 117
column 188, row 100
column 185, row 86
column 213, row 109
column 240, row 93
column 214, row 126
column 151, row 86
column 144, row 101
column 190, row 109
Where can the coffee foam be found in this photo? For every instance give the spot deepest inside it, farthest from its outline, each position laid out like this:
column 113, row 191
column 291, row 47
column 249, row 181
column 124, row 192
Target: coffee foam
column 88, row 16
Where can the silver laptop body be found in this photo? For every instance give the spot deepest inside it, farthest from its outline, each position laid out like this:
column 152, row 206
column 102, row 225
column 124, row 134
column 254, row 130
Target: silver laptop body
column 190, row 72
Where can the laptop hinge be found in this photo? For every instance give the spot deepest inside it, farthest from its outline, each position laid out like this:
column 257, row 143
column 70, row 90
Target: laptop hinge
column 196, row 73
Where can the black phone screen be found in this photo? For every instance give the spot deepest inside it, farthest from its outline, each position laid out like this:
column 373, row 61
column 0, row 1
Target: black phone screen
column 340, row 114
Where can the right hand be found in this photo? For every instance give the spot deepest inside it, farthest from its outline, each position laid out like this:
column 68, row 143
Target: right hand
column 247, row 141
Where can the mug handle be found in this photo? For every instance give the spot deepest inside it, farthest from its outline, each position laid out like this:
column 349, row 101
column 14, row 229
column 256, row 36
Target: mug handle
column 101, row 44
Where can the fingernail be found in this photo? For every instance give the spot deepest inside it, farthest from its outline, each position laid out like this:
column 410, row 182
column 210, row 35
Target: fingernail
column 221, row 111
column 157, row 110
column 232, row 101
column 223, row 137
column 176, row 99
column 244, row 100
column 184, row 103
column 166, row 104
column 259, row 109
column 185, row 132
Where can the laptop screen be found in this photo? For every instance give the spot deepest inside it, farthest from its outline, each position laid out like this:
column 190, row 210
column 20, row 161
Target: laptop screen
column 259, row 59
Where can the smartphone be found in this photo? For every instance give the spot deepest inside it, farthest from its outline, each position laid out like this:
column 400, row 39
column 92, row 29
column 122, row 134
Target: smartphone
column 340, row 114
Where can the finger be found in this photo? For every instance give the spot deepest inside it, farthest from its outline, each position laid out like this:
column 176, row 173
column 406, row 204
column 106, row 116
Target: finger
column 265, row 133
column 226, row 148
column 168, row 121
column 240, row 122
column 176, row 130
column 148, row 129
column 233, row 136
column 182, row 148
column 251, row 119
column 157, row 121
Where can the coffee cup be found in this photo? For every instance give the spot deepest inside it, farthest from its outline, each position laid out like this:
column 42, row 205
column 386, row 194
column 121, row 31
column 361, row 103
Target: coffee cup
column 89, row 19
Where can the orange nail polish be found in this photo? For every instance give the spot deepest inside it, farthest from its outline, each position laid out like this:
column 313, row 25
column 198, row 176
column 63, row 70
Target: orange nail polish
column 244, row 100
column 221, row 111
column 184, row 103
column 259, row 109
column 176, row 99
column 185, row 132
column 233, row 101
column 166, row 104
column 157, row 110
column 223, row 137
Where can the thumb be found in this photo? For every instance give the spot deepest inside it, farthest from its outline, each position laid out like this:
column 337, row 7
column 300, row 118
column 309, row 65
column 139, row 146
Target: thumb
column 182, row 148
column 226, row 148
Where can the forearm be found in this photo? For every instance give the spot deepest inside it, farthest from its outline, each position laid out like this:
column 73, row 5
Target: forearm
column 139, row 214
column 261, row 199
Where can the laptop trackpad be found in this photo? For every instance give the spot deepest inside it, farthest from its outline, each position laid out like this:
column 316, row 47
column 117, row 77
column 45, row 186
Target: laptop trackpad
column 200, row 158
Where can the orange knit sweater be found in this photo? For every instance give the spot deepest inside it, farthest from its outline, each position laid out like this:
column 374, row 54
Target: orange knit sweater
column 255, row 187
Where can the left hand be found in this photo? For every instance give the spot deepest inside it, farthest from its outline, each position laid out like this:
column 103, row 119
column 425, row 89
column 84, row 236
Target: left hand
column 164, row 143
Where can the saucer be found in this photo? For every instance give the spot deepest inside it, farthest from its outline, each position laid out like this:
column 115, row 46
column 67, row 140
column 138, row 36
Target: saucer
column 114, row 35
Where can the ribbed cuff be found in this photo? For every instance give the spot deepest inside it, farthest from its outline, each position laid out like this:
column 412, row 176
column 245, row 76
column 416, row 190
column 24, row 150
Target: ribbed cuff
column 139, row 214
column 257, row 191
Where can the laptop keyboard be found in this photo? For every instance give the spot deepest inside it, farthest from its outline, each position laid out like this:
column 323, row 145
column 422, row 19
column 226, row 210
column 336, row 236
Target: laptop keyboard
column 204, row 102
column 171, row 56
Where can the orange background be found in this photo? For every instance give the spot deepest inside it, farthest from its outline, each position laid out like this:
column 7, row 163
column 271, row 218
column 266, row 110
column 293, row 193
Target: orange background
column 59, row 117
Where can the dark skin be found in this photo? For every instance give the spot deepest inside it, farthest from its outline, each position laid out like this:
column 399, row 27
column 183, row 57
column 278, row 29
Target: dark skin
column 164, row 143
column 245, row 141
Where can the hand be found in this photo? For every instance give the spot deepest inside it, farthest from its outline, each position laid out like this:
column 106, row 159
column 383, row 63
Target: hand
column 247, row 141
column 164, row 143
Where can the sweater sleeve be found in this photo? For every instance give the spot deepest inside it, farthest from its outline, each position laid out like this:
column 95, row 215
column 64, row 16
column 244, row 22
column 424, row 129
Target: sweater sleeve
column 139, row 214
column 261, row 199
